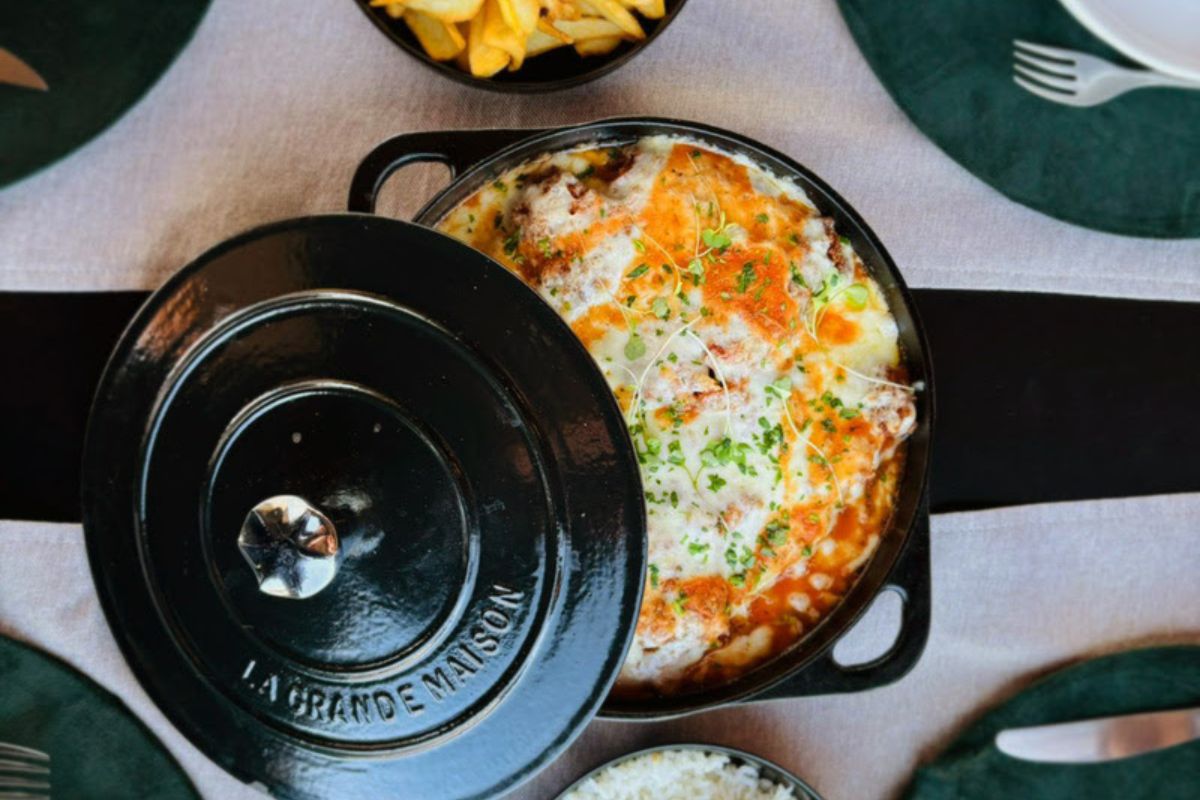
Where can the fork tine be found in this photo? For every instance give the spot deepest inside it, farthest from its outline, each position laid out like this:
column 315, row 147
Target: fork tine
column 23, row 784
column 17, row 751
column 1045, row 50
column 1065, row 85
column 1044, row 65
column 23, row 766
column 1045, row 94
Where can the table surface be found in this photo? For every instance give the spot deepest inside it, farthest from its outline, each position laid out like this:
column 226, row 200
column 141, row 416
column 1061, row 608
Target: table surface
column 1045, row 393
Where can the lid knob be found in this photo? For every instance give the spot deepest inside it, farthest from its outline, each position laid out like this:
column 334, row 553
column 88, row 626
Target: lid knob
column 291, row 545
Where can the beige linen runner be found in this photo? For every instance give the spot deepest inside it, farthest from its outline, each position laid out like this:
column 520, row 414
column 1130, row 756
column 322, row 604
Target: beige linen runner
column 266, row 114
column 1016, row 592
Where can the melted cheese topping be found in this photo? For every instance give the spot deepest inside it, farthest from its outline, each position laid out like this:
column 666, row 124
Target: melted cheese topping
column 757, row 364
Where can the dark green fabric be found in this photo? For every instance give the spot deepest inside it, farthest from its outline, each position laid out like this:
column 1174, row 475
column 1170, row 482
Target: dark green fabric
column 1140, row 680
column 1129, row 166
column 98, row 750
column 98, row 57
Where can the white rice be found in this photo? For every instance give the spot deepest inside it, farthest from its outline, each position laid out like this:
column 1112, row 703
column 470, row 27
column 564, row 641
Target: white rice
column 679, row 775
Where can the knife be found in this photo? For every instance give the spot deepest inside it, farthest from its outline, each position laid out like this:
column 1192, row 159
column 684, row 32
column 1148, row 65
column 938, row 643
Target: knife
column 1103, row 739
column 15, row 71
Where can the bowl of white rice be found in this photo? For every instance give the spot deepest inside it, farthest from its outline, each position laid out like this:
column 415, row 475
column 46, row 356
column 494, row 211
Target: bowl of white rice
column 689, row 772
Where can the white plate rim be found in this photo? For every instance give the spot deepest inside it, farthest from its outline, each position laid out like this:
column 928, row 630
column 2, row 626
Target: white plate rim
column 1081, row 10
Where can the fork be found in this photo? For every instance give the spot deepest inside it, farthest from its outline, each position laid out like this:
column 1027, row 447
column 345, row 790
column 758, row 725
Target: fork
column 24, row 773
column 1078, row 79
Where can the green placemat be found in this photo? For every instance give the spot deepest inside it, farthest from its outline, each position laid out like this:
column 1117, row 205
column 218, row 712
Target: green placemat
column 1130, row 166
column 1141, row 680
column 98, row 57
column 98, row 749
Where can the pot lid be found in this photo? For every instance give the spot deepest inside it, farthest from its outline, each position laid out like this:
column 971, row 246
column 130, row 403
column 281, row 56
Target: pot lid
column 363, row 514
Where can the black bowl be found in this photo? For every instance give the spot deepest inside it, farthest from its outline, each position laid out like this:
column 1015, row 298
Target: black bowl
column 558, row 69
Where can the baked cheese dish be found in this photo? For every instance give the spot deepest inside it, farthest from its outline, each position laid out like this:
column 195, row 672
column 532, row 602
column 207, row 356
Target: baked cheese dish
column 758, row 367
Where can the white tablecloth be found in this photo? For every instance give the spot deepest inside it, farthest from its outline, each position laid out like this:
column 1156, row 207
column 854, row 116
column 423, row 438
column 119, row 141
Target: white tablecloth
column 275, row 102
column 267, row 114
column 1016, row 592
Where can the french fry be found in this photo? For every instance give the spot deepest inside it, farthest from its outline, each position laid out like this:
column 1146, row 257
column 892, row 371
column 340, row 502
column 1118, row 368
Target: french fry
column 485, row 36
column 463, row 59
column 597, row 46
column 588, row 28
column 520, row 15
column 539, row 42
column 497, row 34
column 394, row 8
column 441, row 40
column 650, row 9
column 483, row 60
column 617, row 14
column 546, row 27
column 447, row 10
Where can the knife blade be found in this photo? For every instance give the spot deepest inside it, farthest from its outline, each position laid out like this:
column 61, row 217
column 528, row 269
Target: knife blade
column 1104, row 739
column 15, row 71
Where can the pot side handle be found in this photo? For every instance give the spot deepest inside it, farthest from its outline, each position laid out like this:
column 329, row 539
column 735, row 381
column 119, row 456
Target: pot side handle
column 458, row 150
column 909, row 579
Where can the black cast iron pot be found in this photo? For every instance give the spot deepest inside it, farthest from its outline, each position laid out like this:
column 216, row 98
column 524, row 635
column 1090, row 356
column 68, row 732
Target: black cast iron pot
column 901, row 563
column 355, row 544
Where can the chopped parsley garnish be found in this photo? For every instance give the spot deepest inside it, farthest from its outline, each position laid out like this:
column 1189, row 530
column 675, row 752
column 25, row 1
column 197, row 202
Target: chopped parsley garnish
column 726, row 451
column 771, row 437
column 639, row 245
column 697, row 549
column 781, row 389
column 654, row 575
column 807, row 551
column 673, row 411
column 762, row 219
column 746, row 277
column 715, row 482
column 848, row 413
column 512, row 241
column 717, row 240
column 544, row 245
column 828, row 425
column 777, row 532
column 635, row 348
column 680, row 603
column 660, row 308
column 797, row 278
column 696, row 269
column 675, row 453
column 500, row 186
column 638, row 271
